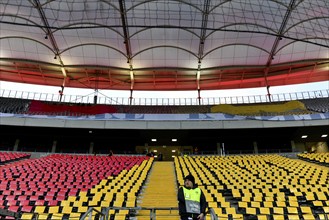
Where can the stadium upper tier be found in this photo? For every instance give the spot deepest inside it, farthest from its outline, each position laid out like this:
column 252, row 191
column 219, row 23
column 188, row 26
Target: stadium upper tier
column 24, row 106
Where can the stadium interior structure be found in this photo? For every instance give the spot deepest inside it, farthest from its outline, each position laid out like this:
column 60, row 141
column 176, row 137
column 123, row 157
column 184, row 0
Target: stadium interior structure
column 254, row 157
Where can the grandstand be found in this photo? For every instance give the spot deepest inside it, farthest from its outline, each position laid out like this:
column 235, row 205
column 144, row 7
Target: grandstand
column 123, row 158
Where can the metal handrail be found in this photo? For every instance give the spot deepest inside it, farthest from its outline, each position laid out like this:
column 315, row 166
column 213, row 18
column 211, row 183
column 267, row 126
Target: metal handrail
column 89, row 99
column 104, row 214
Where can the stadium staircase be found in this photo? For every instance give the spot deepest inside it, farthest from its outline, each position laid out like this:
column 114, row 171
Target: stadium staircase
column 160, row 193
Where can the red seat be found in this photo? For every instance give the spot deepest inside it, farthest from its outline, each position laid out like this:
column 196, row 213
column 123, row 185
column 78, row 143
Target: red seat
column 26, row 208
column 39, row 202
column 52, row 203
column 13, row 208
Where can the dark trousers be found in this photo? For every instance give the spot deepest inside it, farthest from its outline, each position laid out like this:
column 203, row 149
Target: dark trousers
column 187, row 218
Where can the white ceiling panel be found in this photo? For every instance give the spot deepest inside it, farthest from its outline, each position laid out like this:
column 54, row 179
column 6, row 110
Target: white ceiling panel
column 233, row 43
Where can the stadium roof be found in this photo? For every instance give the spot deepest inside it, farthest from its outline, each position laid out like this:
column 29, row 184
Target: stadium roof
column 164, row 45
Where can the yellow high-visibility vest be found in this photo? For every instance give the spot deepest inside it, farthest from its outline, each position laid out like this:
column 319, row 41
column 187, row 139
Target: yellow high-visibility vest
column 192, row 200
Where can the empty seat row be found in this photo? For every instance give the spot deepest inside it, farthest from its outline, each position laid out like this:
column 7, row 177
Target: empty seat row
column 235, row 185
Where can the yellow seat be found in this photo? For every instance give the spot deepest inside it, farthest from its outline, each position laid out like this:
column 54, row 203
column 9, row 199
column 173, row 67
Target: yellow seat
column 293, row 217
column 212, row 204
column 278, row 217
column 119, row 217
column 305, row 209
column 261, row 217
column 53, row 209
column 39, row 209
column 268, row 204
column 293, row 204
column 67, row 210
column 280, row 204
column 65, row 203
column 27, row 216
column 292, row 210
column 264, row 211
column 82, row 209
column 57, row 216
column 241, row 205
column 318, row 203
column 255, row 204
column 42, row 216
column 308, row 217
column 75, row 216
column 230, row 210
column 326, row 209
column 278, row 210
column 251, row 211
column 323, row 216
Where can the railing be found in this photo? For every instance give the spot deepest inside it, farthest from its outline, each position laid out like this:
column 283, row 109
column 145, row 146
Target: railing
column 104, row 213
column 165, row 101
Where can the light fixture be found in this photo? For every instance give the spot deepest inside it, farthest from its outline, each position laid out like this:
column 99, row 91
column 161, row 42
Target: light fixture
column 198, row 75
column 153, row 140
column 173, row 151
column 63, row 71
column 174, row 140
column 304, row 136
column 155, row 150
column 131, row 75
column 324, row 135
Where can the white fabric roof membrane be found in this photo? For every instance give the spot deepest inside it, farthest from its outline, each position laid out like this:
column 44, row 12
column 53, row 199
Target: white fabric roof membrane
column 164, row 45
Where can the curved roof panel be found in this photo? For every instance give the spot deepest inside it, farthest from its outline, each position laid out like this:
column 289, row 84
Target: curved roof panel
column 164, row 45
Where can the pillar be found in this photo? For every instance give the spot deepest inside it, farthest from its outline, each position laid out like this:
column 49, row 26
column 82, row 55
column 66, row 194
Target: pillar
column 16, row 145
column 53, row 148
column 255, row 147
column 293, row 146
column 91, row 148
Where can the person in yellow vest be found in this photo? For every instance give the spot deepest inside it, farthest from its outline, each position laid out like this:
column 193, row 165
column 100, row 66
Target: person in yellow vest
column 192, row 203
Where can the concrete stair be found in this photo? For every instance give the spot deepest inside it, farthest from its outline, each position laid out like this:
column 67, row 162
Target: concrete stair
column 160, row 192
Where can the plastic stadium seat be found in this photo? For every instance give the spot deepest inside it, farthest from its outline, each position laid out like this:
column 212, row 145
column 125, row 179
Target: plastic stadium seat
column 293, row 217
column 26, row 208
column 323, row 217
column 27, row 216
column 261, row 217
column 292, row 210
column 278, row 210
column 53, row 209
column 264, row 211
column 326, row 209
column 306, row 210
column 39, row 209
column 278, row 217
column 57, row 216
column 251, row 211
column 308, row 217
column 67, row 209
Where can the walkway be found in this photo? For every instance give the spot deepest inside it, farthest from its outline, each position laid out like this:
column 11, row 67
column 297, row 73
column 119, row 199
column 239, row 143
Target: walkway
column 160, row 192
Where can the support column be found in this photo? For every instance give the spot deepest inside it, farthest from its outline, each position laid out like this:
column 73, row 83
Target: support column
column 53, row 148
column 16, row 145
column 219, row 150
column 146, row 147
column 293, row 146
column 255, row 147
column 91, row 148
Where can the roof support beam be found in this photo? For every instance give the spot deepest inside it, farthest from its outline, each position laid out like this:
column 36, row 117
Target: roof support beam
column 202, row 41
column 48, row 29
column 127, row 42
column 53, row 43
column 276, row 43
